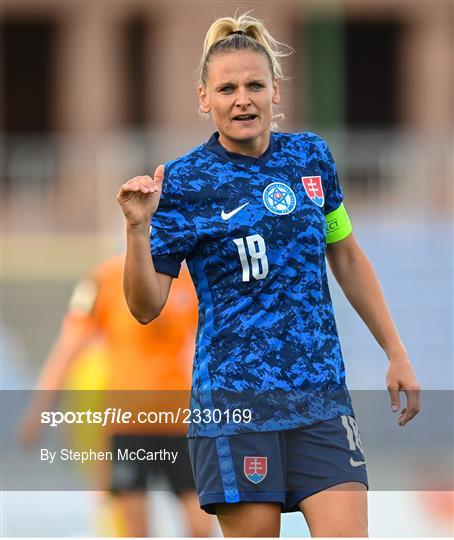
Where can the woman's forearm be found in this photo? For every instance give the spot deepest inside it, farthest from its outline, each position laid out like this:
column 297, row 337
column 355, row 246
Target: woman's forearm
column 357, row 278
column 145, row 291
column 141, row 283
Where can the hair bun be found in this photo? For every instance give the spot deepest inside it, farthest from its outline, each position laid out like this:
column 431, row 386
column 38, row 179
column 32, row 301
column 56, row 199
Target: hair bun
column 260, row 41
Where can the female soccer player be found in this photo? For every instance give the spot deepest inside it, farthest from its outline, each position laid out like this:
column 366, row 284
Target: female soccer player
column 254, row 212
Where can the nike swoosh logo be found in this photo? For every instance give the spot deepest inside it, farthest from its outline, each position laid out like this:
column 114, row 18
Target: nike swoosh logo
column 228, row 215
column 355, row 463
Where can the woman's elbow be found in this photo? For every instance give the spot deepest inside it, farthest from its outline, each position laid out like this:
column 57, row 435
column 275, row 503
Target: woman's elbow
column 145, row 320
column 144, row 317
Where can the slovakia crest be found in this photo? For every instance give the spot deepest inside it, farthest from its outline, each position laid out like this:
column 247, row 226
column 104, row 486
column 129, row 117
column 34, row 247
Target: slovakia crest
column 314, row 189
column 279, row 198
column 255, row 468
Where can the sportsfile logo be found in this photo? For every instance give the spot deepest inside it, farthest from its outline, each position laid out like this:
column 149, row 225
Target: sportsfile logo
column 112, row 415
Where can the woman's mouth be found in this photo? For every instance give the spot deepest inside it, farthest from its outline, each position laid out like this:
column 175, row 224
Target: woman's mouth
column 245, row 118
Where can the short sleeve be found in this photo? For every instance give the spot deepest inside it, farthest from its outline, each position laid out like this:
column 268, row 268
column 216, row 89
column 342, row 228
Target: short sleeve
column 172, row 236
column 338, row 225
column 83, row 297
column 82, row 312
column 331, row 185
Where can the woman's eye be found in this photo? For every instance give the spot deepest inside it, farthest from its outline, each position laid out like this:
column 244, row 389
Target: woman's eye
column 256, row 86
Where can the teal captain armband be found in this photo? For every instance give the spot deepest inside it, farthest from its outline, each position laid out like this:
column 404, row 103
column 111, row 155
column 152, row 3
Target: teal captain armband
column 338, row 225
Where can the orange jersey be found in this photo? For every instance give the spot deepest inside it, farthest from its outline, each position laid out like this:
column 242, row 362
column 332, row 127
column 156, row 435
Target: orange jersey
column 156, row 356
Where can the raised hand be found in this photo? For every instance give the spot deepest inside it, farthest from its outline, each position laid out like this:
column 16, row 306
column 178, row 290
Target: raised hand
column 139, row 197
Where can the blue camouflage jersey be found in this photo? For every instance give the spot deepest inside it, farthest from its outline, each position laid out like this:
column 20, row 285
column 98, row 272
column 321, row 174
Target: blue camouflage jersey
column 253, row 233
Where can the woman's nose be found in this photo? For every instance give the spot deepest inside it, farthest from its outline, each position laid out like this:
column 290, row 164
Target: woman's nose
column 243, row 97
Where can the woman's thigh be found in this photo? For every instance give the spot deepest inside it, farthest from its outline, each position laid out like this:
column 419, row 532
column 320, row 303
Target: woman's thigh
column 249, row 519
column 338, row 511
column 323, row 455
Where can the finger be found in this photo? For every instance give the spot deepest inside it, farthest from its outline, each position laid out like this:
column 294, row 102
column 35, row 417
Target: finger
column 159, row 175
column 413, row 397
column 146, row 184
column 130, row 188
column 130, row 185
column 412, row 408
column 407, row 415
column 395, row 399
column 145, row 181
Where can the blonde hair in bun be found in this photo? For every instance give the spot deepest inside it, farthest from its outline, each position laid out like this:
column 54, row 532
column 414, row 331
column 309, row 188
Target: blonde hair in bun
column 229, row 34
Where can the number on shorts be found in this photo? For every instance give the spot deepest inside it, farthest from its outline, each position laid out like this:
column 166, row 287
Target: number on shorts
column 351, row 427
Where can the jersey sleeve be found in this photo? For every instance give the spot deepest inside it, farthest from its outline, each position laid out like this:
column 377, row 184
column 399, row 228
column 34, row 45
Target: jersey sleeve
column 84, row 297
column 172, row 233
column 338, row 225
column 82, row 312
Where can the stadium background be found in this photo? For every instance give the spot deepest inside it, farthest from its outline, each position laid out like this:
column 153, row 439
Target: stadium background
column 93, row 93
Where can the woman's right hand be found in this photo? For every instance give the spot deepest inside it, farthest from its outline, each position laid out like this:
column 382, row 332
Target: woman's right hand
column 139, row 197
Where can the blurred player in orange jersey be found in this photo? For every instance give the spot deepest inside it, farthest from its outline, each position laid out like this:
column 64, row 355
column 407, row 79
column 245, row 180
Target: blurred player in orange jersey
column 153, row 357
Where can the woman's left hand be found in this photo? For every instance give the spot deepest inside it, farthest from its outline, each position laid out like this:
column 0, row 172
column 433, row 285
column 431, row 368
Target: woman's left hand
column 400, row 378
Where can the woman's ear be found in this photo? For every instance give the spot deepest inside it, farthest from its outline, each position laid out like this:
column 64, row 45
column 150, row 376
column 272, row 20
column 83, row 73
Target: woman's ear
column 276, row 97
column 204, row 104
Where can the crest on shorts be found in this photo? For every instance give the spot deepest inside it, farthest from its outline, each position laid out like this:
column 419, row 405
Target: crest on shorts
column 314, row 189
column 279, row 198
column 255, row 468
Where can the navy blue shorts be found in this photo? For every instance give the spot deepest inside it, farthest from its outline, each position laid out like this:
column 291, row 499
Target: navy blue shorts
column 283, row 467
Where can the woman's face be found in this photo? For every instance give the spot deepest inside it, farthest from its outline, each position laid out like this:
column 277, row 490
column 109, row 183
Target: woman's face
column 240, row 93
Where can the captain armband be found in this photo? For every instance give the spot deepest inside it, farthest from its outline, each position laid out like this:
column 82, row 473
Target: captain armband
column 338, row 225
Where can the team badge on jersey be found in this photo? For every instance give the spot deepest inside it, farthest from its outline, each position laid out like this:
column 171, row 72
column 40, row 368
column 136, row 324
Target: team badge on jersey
column 314, row 189
column 279, row 198
column 255, row 468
